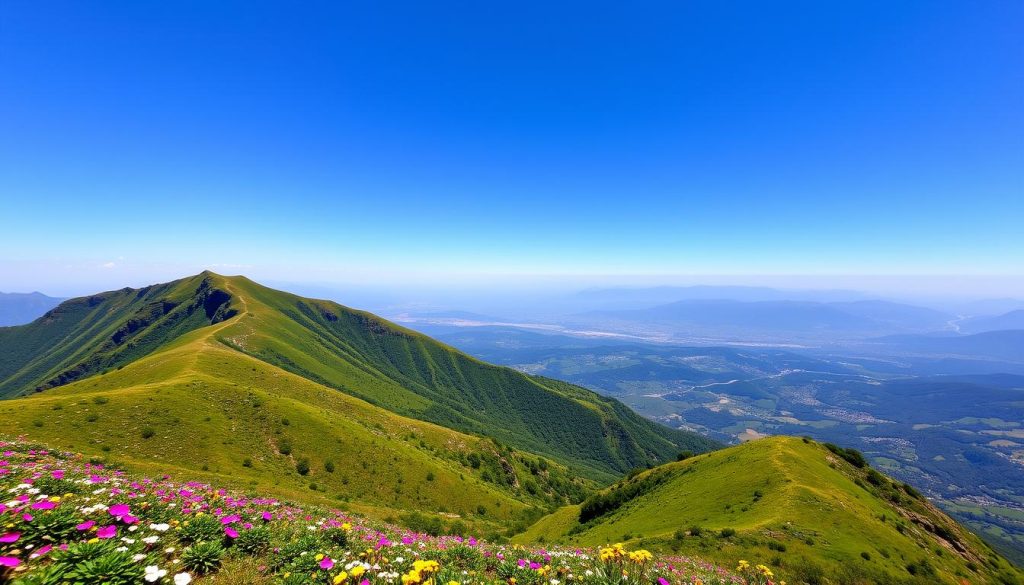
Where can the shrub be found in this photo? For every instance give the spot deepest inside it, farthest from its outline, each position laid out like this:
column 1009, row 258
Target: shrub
column 696, row 530
column 727, row 533
column 329, row 466
column 865, row 555
column 253, row 541
column 302, row 466
column 203, row 557
column 684, row 455
column 148, row 432
column 246, row 462
column 112, row 568
column 201, row 529
column 284, row 447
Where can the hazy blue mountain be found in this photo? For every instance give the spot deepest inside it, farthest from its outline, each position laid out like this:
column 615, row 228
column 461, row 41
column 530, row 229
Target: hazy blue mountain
column 1011, row 320
column 638, row 298
column 996, row 345
column 21, row 308
column 771, row 319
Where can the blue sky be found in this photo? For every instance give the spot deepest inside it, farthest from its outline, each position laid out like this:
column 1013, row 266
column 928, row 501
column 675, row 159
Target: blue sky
column 491, row 142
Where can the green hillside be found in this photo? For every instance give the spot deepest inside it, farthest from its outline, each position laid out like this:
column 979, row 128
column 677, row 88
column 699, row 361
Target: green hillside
column 821, row 518
column 221, row 376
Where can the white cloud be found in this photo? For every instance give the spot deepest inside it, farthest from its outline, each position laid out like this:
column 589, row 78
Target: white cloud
column 108, row 265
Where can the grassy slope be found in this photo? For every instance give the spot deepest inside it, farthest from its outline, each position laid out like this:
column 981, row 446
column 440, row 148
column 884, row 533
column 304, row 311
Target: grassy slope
column 413, row 375
column 808, row 495
column 212, row 366
column 211, row 408
column 356, row 352
column 86, row 335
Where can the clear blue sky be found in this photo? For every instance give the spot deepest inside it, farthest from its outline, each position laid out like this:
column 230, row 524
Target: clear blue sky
column 341, row 141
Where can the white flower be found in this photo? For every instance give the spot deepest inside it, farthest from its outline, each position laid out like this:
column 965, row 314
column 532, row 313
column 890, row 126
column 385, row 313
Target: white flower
column 162, row 527
column 132, row 528
column 138, row 557
column 150, row 539
column 182, row 579
column 154, row 573
column 169, row 550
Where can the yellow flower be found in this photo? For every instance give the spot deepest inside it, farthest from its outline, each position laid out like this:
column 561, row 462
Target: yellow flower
column 340, row 578
column 640, row 556
column 454, row 583
column 320, row 556
column 346, row 526
column 357, row 571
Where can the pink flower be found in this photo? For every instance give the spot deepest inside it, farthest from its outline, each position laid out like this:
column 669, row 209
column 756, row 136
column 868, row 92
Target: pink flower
column 44, row 505
column 58, row 474
column 9, row 562
column 86, row 525
column 10, row 537
column 107, row 532
column 231, row 532
column 230, row 519
column 326, row 564
column 663, row 581
column 268, row 516
column 40, row 551
column 27, row 517
column 119, row 510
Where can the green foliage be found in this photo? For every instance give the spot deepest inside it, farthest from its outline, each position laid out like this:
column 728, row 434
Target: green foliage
column 253, row 541
column 205, row 528
column 203, row 557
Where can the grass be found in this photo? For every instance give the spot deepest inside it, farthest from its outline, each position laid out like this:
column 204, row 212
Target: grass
column 778, row 495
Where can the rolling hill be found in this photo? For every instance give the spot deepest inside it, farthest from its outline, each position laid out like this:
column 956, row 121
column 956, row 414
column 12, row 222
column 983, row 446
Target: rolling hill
column 834, row 518
column 229, row 377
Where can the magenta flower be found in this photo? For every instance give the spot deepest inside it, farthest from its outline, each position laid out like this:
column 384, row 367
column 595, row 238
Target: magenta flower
column 58, row 474
column 268, row 516
column 10, row 537
column 86, row 525
column 40, row 551
column 9, row 561
column 44, row 505
column 326, row 563
column 663, row 581
column 119, row 510
column 107, row 532
column 231, row 532
column 230, row 519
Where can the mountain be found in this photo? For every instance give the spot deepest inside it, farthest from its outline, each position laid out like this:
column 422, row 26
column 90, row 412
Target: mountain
column 991, row 345
column 208, row 330
column 20, row 308
column 1011, row 320
column 835, row 519
column 774, row 319
column 641, row 297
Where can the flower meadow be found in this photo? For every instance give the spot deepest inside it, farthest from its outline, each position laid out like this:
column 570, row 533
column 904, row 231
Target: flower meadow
column 66, row 520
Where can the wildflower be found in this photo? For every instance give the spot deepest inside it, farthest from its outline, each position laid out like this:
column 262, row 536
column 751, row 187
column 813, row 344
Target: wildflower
column 154, row 573
column 9, row 562
column 107, row 532
column 182, row 579
column 327, row 564
column 340, row 578
column 10, row 537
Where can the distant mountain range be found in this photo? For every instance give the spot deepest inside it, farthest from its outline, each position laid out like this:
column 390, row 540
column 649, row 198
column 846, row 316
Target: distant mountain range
column 776, row 319
column 21, row 308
